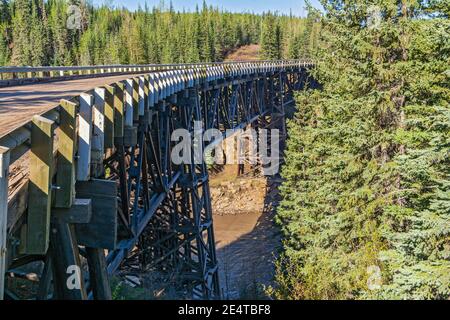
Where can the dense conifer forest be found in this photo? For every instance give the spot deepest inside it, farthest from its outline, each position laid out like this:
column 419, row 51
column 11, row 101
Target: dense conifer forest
column 34, row 32
column 366, row 197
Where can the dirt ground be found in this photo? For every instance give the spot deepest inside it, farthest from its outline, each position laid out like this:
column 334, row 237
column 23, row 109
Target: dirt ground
column 246, row 237
column 245, row 53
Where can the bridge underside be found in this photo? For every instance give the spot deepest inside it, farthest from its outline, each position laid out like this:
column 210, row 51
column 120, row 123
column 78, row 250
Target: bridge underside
column 171, row 204
column 164, row 214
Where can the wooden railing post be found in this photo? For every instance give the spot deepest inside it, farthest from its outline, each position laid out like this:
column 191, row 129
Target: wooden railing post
column 84, row 137
column 131, row 112
column 129, row 103
column 109, row 117
column 141, row 99
column 4, row 174
column 136, row 100
column 119, row 114
column 65, row 177
column 39, row 189
column 98, row 136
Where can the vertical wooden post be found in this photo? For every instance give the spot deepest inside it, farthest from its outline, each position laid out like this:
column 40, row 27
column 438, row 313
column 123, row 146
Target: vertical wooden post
column 63, row 246
column 109, row 117
column 84, row 138
column 4, row 173
column 65, row 172
column 161, row 85
column 98, row 136
column 141, row 100
column 45, row 281
column 39, row 189
column 171, row 83
column 165, row 85
column 151, row 91
column 119, row 115
column 66, row 265
column 156, row 89
column 129, row 103
column 136, row 100
column 146, row 93
column 98, row 272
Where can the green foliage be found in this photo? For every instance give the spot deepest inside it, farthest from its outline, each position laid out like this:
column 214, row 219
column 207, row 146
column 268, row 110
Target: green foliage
column 367, row 175
column 271, row 41
column 303, row 44
column 35, row 33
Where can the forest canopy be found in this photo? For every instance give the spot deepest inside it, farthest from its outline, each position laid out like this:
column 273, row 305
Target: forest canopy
column 36, row 32
column 366, row 193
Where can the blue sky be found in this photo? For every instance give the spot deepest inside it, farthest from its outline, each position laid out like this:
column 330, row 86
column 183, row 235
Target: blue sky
column 257, row 6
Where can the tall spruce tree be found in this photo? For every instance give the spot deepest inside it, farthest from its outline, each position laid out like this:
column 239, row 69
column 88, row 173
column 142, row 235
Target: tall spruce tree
column 5, row 22
column 271, row 41
column 21, row 51
column 366, row 197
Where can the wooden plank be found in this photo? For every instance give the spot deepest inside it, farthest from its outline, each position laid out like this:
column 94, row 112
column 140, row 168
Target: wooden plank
column 147, row 113
column 109, row 117
column 119, row 116
column 171, row 82
column 65, row 169
column 182, row 80
column 164, row 85
column 136, row 100
column 160, row 81
column 156, row 88
column 129, row 103
column 80, row 212
column 98, row 274
column 45, row 281
column 98, row 133
column 101, row 231
column 39, row 188
column 4, row 174
column 151, row 91
column 146, row 93
column 141, row 99
column 84, row 138
column 65, row 257
column 176, row 77
column 130, row 136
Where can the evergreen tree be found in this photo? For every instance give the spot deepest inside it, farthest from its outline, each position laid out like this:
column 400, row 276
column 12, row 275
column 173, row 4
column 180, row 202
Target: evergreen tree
column 366, row 197
column 21, row 53
column 59, row 33
column 5, row 21
column 39, row 38
column 34, row 32
column 271, row 42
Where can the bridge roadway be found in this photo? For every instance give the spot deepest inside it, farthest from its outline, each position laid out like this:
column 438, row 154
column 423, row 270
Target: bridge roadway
column 18, row 104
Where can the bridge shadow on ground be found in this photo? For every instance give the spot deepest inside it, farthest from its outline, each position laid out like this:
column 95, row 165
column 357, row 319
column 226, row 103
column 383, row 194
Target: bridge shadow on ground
column 246, row 264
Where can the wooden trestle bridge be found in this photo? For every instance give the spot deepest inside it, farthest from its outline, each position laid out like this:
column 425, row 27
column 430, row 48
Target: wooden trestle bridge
column 86, row 177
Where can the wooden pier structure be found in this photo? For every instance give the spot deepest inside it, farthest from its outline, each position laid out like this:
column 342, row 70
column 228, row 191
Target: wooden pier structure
column 86, row 177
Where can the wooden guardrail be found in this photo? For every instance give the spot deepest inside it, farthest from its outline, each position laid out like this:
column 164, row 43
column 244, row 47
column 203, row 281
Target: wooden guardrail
column 70, row 142
column 22, row 75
